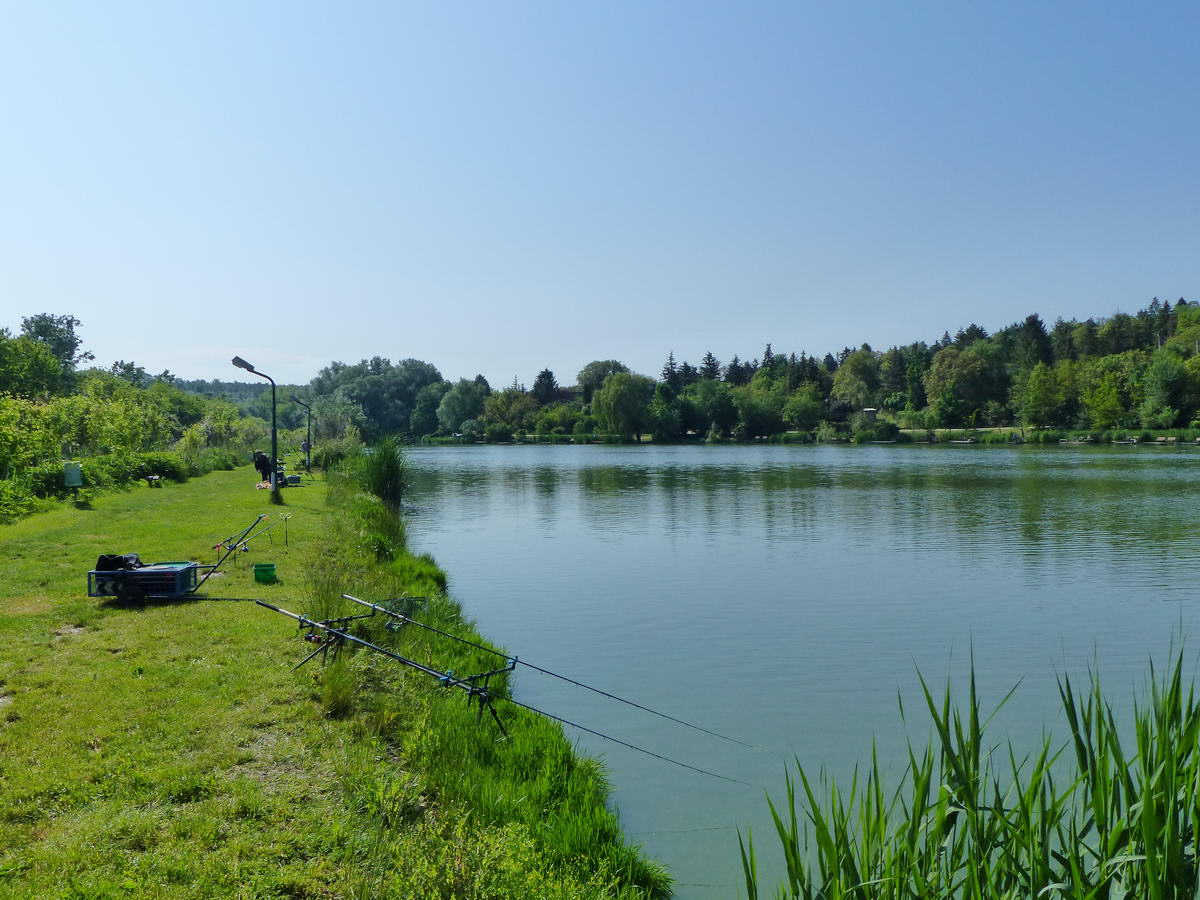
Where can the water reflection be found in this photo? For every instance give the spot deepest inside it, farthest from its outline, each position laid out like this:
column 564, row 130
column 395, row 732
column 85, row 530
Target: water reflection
column 787, row 593
column 1023, row 499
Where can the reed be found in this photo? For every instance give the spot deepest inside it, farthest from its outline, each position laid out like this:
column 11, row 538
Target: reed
column 1090, row 818
column 384, row 472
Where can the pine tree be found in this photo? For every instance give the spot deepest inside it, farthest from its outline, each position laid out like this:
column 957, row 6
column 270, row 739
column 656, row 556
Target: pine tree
column 670, row 373
column 768, row 360
column 734, row 372
column 710, row 367
column 545, row 388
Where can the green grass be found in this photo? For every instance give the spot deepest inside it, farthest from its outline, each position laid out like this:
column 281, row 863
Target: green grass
column 169, row 751
column 1090, row 818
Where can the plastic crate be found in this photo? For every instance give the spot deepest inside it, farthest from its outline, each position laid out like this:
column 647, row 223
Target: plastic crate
column 164, row 579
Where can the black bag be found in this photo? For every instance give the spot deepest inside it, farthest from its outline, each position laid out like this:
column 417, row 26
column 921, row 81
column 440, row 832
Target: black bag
column 117, row 562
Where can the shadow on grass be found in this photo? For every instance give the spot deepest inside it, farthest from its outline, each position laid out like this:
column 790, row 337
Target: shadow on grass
column 147, row 602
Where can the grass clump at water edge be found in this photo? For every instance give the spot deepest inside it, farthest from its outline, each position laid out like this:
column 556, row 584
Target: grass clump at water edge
column 1089, row 819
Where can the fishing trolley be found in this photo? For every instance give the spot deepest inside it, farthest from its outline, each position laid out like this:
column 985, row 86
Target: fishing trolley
column 132, row 582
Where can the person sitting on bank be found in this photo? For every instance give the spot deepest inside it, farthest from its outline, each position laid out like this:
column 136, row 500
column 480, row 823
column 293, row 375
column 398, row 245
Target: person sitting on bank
column 263, row 464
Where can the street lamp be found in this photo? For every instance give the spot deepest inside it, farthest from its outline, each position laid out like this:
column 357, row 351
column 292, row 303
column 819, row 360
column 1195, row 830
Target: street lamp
column 308, row 440
column 242, row 364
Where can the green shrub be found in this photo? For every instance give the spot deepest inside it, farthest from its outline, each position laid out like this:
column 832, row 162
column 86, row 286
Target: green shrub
column 827, row 431
column 997, row 437
column 328, row 453
column 498, row 433
column 165, row 465
column 16, row 502
column 46, row 480
column 867, row 431
column 1044, row 436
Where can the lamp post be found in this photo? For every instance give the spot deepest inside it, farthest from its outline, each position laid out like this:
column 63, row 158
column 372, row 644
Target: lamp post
column 308, row 439
column 242, row 364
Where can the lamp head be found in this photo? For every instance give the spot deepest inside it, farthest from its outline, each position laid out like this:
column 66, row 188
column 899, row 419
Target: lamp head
column 242, row 364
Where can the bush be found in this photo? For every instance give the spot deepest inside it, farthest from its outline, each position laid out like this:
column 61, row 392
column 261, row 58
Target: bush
column 472, row 430
column 16, row 502
column 117, row 471
column 865, row 432
column 46, row 480
column 997, row 437
column 327, row 454
column 827, row 431
column 790, row 437
column 1044, row 436
column 165, row 465
column 498, row 433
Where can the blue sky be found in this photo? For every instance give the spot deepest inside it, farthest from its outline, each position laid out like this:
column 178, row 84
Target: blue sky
column 502, row 187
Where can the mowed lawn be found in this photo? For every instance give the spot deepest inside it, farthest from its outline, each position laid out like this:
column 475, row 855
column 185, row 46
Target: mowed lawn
column 167, row 750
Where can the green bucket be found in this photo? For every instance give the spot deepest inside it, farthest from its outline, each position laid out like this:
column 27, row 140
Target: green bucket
column 264, row 573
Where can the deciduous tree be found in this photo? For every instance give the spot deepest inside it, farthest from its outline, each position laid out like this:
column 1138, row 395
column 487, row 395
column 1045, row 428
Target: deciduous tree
column 621, row 405
column 593, row 375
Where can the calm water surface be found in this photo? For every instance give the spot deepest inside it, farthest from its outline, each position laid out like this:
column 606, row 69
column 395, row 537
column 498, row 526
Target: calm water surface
column 787, row 596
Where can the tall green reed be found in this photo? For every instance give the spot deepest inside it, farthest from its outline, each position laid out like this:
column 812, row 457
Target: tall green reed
column 1088, row 819
column 384, row 472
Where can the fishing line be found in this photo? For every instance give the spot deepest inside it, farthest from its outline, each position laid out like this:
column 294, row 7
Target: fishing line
column 684, row 830
column 482, row 694
column 521, row 662
column 609, row 737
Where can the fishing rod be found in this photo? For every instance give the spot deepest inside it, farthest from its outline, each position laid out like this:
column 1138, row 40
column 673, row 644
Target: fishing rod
column 481, row 694
column 475, row 692
column 241, row 540
column 257, row 535
column 403, row 619
column 235, row 539
column 229, row 545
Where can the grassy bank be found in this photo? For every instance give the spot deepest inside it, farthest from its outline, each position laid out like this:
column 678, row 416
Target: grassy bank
column 169, row 751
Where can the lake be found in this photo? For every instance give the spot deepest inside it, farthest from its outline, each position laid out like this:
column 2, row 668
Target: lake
column 788, row 595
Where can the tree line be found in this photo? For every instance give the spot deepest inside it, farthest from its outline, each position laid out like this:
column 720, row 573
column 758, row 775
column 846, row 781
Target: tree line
column 1126, row 371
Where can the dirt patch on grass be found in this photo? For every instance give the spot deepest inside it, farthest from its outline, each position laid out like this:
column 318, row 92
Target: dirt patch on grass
column 26, row 606
column 69, row 631
column 5, row 700
column 266, row 759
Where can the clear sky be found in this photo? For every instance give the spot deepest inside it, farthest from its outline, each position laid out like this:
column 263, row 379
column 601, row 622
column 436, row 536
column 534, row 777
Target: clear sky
column 502, row 187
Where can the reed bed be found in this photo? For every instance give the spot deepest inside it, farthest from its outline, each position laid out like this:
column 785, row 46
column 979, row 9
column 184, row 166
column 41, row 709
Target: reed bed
column 383, row 472
column 1091, row 818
